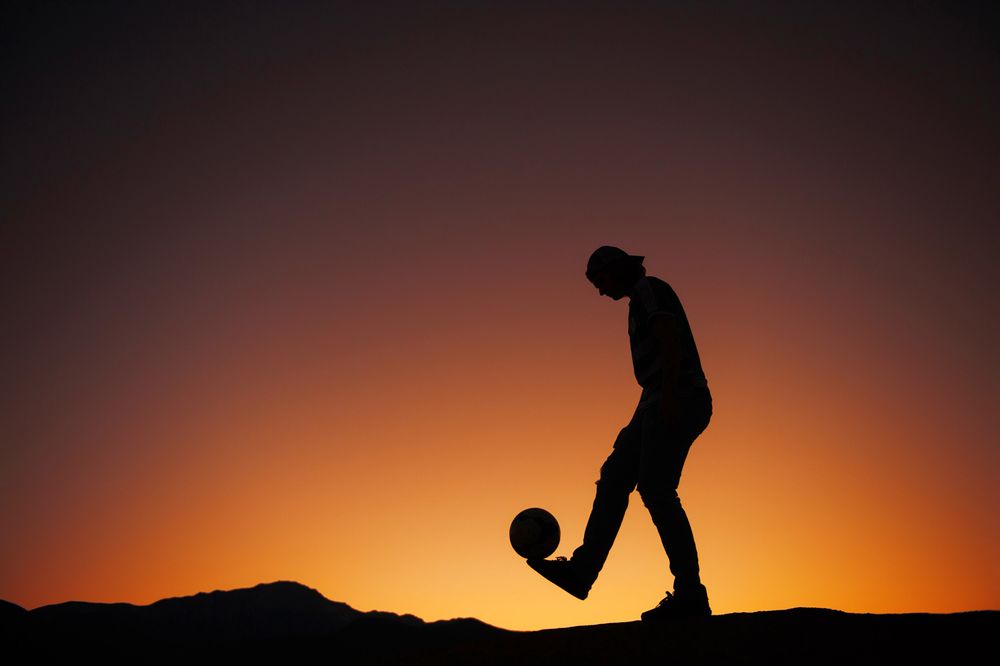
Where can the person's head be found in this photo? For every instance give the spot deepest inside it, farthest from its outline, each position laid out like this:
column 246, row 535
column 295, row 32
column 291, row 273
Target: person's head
column 613, row 271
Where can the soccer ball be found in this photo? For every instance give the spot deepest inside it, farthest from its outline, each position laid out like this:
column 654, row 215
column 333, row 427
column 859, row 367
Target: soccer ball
column 534, row 534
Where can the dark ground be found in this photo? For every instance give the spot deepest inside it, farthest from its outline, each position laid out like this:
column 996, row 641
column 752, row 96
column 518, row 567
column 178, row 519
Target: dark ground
column 290, row 623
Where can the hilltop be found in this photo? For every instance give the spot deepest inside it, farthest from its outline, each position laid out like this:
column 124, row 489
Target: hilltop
column 290, row 622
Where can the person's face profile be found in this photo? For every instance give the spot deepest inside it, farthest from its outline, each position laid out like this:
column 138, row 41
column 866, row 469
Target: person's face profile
column 608, row 283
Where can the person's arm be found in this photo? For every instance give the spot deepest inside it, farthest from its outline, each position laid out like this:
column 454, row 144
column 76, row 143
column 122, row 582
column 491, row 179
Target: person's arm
column 666, row 332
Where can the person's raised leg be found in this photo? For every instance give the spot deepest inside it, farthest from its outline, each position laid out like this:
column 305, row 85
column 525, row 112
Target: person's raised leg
column 617, row 481
column 619, row 475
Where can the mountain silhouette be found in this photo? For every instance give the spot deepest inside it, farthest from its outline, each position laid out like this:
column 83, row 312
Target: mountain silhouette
column 269, row 621
column 286, row 622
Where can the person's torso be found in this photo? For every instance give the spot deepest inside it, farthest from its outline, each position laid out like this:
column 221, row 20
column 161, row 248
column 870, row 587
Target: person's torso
column 654, row 297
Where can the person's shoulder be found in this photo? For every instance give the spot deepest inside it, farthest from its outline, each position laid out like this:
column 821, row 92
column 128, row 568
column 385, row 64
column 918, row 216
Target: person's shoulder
column 658, row 282
column 654, row 294
column 661, row 288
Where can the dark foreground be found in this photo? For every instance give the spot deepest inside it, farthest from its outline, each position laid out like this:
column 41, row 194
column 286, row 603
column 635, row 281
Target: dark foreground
column 290, row 623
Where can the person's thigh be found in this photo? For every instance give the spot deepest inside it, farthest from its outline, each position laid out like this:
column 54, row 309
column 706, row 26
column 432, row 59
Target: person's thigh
column 664, row 446
column 621, row 468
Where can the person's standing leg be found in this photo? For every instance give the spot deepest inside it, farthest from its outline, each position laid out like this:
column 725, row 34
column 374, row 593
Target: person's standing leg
column 664, row 448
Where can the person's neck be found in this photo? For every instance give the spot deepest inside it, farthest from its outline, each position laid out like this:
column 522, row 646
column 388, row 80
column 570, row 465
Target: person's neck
column 631, row 290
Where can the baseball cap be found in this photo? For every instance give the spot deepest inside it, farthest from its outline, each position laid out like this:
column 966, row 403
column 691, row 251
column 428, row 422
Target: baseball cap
column 606, row 255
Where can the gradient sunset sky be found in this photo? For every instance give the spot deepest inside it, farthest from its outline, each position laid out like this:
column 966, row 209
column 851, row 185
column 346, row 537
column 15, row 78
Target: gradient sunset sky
column 295, row 291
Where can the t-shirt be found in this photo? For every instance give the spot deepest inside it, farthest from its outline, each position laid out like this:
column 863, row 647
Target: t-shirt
column 651, row 298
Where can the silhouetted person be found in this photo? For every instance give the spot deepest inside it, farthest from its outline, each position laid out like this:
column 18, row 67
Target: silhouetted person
column 674, row 408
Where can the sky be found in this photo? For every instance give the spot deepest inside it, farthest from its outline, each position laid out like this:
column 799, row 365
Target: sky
column 295, row 291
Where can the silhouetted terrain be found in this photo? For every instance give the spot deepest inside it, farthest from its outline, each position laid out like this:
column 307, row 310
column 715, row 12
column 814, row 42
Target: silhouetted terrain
column 287, row 622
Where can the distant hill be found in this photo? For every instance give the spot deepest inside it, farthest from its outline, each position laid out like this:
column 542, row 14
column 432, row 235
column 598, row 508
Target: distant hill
column 286, row 622
column 269, row 621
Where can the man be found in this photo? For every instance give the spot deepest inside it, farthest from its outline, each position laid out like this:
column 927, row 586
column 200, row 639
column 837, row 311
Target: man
column 649, row 452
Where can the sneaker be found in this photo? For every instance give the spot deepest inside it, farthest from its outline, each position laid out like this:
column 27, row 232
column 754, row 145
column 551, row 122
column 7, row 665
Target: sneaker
column 563, row 573
column 677, row 606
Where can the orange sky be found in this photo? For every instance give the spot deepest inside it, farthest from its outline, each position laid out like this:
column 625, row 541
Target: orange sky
column 296, row 295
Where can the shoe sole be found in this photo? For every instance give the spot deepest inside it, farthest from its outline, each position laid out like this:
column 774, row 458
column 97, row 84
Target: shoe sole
column 581, row 596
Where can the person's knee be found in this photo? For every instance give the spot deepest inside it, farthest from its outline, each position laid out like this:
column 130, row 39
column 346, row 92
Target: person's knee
column 614, row 486
column 658, row 495
column 613, row 482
